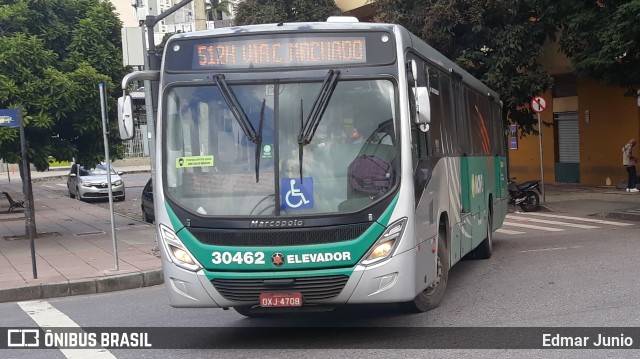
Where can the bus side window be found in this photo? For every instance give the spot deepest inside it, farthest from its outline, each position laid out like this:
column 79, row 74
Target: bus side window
column 418, row 145
column 449, row 134
column 499, row 137
column 435, row 97
column 477, row 117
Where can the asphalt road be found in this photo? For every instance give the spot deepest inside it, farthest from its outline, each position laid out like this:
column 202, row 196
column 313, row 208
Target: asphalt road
column 552, row 272
column 574, row 277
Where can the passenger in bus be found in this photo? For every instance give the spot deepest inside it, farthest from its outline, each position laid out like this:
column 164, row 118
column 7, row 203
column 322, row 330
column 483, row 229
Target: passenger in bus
column 348, row 133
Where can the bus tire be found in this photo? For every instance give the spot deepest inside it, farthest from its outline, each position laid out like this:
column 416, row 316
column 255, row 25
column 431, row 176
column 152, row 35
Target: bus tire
column 431, row 297
column 485, row 248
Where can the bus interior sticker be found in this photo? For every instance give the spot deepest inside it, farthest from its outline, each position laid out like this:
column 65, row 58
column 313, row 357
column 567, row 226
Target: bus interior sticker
column 194, row 161
column 267, row 151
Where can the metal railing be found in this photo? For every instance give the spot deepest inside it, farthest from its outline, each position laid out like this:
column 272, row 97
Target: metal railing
column 136, row 147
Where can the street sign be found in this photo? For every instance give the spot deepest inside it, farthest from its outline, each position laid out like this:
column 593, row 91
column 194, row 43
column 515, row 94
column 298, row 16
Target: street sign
column 9, row 118
column 513, row 137
column 538, row 104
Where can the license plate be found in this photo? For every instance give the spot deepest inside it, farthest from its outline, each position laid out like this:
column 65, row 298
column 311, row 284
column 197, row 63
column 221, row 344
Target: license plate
column 281, row 299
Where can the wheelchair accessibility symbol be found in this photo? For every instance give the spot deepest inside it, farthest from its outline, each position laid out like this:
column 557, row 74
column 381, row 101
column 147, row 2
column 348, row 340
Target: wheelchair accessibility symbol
column 295, row 194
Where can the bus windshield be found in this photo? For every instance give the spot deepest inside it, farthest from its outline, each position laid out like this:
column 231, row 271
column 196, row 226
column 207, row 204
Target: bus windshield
column 213, row 169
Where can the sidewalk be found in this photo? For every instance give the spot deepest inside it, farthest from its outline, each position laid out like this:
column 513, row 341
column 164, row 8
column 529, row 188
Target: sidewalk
column 74, row 248
column 604, row 201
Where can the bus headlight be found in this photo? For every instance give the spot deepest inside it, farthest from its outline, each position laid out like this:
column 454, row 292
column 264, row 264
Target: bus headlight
column 178, row 253
column 385, row 245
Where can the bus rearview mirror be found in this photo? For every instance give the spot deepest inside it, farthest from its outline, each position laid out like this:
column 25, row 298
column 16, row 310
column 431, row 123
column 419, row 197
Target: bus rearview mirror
column 125, row 118
column 423, row 106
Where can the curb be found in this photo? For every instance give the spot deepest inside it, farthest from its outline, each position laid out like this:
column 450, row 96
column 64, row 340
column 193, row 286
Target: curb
column 547, row 208
column 82, row 286
column 626, row 215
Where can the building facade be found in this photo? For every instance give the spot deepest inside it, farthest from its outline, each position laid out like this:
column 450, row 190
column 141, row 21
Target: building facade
column 190, row 17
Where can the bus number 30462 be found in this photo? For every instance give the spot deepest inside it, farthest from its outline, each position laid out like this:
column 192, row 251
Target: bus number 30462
column 237, row 257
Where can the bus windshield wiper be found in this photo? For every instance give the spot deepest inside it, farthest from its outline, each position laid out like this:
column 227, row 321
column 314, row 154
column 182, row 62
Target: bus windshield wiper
column 235, row 108
column 259, row 141
column 319, row 106
column 308, row 129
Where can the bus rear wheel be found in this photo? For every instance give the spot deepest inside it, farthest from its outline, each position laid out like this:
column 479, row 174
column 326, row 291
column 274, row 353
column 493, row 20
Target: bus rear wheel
column 431, row 297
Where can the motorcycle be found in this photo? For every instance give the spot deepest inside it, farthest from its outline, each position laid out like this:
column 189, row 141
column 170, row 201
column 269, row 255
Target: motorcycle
column 524, row 195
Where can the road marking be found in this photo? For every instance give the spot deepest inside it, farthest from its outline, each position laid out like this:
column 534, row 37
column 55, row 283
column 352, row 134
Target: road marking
column 599, row 221
column 507, row 231
column 544, row 221
column 549, row 249
column 61, row 184
column 47, row 316
column 548, row 229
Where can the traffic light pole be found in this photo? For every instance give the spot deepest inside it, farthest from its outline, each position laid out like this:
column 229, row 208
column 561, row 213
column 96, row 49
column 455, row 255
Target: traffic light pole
column 150, row 22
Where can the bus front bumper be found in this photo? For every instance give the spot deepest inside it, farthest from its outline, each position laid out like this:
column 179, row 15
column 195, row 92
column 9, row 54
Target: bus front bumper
column 390, row 281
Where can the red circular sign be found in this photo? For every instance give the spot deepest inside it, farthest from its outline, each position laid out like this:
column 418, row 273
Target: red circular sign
column 538, row 104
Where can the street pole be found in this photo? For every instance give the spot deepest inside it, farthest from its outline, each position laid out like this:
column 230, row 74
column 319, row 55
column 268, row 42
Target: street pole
column 541, row 163
column 105, row 135
column 200, row 15
column 27, row 192
column 148, row 105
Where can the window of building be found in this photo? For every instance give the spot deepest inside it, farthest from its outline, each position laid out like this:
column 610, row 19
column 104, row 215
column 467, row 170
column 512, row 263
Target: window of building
column 565, row 86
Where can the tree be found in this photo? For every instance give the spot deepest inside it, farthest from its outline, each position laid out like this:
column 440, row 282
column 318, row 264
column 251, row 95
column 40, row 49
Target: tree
column 215, row 9
column 497, row 41
column 249, row 12
column 53, row 55
column 600, row 38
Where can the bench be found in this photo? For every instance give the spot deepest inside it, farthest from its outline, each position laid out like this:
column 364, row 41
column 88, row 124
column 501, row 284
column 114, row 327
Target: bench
column 13, row 204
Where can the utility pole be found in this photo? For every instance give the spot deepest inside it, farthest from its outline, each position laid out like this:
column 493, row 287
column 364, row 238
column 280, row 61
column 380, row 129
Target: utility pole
column 200, row 15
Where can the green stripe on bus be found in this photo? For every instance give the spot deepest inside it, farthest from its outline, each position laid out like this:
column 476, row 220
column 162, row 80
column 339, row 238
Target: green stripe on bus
column 257, row 259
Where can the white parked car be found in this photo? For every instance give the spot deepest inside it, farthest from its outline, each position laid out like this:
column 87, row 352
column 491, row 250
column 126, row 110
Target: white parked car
column 92, row 183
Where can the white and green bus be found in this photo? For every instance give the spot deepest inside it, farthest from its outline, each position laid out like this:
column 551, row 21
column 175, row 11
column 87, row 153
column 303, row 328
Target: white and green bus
column 301, row 166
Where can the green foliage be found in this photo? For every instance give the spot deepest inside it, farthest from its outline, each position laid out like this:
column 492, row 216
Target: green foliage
column 53, row 55
column 497, row 41
column 163, row 43
column 601, row 38
column 249, row 12
column 215, row 8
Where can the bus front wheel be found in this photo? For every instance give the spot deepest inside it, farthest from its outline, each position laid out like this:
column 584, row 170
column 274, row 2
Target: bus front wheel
column 431, row 297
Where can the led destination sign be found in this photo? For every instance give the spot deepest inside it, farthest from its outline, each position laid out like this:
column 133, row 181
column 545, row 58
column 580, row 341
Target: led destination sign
column 279, row 52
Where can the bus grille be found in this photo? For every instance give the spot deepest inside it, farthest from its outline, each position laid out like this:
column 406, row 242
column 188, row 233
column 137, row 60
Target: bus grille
column 280, row 237
column 312, row 288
